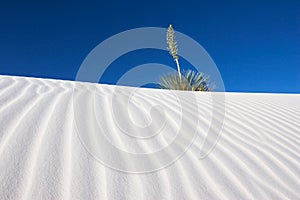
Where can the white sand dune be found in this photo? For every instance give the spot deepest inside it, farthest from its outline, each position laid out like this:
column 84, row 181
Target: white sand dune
column 42, row 155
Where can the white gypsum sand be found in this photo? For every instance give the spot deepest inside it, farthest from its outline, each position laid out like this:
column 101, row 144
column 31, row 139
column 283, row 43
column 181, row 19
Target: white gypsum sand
column 42, row 157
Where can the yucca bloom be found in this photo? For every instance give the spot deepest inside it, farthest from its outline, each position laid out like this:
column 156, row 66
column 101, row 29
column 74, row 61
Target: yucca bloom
column 172, row 47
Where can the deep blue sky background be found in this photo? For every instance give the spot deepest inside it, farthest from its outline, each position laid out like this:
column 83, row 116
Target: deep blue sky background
column 255, row 44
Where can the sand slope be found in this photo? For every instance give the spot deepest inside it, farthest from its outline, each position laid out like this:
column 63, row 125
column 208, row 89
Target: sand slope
column 42, row 156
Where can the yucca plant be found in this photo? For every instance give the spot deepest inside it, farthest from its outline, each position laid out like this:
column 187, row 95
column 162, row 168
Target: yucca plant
column 189, row 80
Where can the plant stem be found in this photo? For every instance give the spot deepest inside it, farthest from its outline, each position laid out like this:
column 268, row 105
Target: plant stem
column 178, row 68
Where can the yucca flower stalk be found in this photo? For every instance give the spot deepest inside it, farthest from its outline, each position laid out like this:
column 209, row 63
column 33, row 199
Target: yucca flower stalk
column 172, row 47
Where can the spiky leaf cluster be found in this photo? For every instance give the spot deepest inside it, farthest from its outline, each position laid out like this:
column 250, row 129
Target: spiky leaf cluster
column 191, row 80
column 172, row 44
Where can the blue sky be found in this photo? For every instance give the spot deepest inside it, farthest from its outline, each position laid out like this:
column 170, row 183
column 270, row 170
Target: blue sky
column 255, row 44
